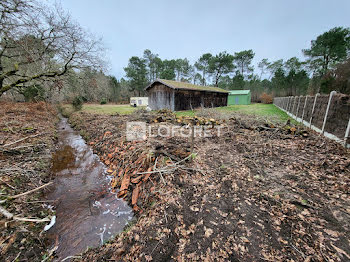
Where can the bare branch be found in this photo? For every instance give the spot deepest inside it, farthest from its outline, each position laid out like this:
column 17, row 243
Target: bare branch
column 43, row 42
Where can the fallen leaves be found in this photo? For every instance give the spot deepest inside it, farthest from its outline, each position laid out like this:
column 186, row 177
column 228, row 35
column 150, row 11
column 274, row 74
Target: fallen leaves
column 135, row 195
column 136, row 180
column 341, row 251
column 124, row 185
column 208, row 231
column 148, row 174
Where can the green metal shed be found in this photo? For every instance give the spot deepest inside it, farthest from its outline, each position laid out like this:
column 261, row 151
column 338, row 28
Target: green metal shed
column 239, row 97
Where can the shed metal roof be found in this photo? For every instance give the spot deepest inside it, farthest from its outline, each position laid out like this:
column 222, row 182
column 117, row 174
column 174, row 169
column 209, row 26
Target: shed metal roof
column 186, row 86
column 239, row 92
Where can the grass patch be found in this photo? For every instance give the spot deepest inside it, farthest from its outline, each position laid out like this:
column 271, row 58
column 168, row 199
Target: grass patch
column 262, row 110
column 108, row 109
column 269, row 111
column 186, row 113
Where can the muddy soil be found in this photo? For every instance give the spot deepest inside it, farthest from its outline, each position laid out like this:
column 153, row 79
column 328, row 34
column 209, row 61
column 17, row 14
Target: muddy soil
column 250, row 194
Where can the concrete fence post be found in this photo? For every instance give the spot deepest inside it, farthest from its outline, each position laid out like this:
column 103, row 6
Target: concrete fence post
column 326, row 114
column 302, row 116
column 290, row 104
column 287, row 103
column 313, row 109
column 295, row 100
column 280, row 101
column 296, row 113
column 347, row 134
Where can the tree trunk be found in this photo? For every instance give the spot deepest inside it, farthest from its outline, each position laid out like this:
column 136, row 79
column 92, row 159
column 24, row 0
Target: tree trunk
column 217, row 80
column 327, row 62
column 203, row 78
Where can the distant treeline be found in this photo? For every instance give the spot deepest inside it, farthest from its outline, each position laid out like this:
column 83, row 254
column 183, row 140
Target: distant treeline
column 36, row 64
column 326, row 67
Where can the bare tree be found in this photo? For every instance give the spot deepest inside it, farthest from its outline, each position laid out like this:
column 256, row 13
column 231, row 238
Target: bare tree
column 41, row 43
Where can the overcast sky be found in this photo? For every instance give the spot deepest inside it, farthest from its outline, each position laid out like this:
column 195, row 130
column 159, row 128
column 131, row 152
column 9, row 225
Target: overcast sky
column 274, row 29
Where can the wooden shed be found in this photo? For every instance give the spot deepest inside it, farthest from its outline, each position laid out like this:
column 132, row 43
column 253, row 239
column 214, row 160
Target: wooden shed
column 177, row 96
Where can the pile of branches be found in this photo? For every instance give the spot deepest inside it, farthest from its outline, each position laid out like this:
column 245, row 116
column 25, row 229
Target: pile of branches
column 139, row 169
column 288, row 128
column 166, row 115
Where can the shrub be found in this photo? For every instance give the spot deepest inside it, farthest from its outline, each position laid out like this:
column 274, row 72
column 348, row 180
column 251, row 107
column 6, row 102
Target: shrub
column 34, row 93
column 103, row 101
column 266, row 98
column 77, row 103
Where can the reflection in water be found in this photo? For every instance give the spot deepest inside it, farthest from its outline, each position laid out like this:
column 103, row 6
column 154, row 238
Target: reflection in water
column 63, row 158
column 87, row 212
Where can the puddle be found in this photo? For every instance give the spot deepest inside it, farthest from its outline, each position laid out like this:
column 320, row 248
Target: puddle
column 87, row 212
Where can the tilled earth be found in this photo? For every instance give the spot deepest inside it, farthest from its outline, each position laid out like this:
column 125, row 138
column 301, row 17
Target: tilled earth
column 250, row 194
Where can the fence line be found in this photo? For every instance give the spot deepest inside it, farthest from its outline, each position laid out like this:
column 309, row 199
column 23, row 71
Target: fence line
column 288, row 104
column 326, row 114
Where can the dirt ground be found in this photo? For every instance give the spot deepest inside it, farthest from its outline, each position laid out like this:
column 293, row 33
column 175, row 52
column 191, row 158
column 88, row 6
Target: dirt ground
column 255, row 193
column 27, row 138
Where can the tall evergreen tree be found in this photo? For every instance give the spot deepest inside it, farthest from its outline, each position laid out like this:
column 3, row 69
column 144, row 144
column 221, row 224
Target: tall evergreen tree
column 243, row 60
column 328, row 49
column 136, row 72
column 220, row 65
column 203, row 66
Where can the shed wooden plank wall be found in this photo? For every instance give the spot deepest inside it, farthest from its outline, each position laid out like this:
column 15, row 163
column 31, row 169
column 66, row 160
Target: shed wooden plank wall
column 161, row 96
column 184, row 99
